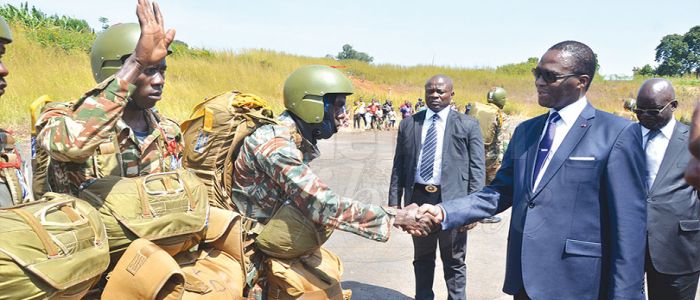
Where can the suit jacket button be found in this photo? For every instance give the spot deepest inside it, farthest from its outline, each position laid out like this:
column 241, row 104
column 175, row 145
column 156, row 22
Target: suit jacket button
column 531, row 204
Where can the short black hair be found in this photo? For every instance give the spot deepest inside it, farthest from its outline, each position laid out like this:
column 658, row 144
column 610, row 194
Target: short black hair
column 585, row 60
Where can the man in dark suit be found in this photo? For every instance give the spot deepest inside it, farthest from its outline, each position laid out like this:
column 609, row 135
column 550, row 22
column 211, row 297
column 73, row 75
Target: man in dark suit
column 439, row 155
column 673, row 211
column 573, row 177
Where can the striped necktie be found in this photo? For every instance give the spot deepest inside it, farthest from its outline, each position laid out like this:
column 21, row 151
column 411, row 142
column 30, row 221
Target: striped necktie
column 545, row 145
column 429, row 146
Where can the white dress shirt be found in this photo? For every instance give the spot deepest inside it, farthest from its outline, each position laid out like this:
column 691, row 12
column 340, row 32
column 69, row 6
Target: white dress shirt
column 656, row 149
column 440, row 130
column 568, row 115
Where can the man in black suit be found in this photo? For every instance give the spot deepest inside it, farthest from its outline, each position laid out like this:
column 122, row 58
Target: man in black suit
column 439, row 155
column 673, row 211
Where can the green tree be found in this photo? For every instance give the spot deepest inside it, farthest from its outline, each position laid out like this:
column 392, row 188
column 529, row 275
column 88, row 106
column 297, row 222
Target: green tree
column 692, row 39
column 105, row 22
column 350, row 53
column 672, row 54
column 645, row 71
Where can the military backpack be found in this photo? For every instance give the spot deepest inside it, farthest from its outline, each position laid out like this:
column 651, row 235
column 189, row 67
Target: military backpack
column 489, row 117
column 54, row 248
column 215, row 131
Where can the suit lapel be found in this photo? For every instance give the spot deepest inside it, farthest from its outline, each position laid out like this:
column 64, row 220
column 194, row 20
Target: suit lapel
column 676, row 144
column 449, row 130
column 534, row 138
column 577, row 131
column 417, row 131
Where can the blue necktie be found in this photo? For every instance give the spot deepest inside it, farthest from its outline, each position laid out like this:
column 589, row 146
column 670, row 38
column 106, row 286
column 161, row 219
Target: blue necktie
column 545, row 145
column 429, row 146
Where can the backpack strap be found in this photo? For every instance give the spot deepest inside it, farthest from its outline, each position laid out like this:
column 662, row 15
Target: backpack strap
column 41, row 233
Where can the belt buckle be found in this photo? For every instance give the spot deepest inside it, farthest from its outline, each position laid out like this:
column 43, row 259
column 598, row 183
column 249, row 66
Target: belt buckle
column 431, row 188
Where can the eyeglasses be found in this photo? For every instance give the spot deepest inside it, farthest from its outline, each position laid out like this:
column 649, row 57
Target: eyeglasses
column 652, row 111
column 548, row 76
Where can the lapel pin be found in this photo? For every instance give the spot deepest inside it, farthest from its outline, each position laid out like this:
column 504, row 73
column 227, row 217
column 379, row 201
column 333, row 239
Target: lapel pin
column 584, row 125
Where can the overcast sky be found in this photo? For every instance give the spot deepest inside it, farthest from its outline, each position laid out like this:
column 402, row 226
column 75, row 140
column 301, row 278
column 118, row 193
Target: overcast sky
column 463, row 33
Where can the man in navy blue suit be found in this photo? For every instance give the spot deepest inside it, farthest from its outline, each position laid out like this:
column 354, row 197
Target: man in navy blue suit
column 574, row 178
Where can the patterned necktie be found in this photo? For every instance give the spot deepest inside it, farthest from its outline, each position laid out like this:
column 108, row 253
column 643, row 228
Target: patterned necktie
column 545, row 145
column 650, row 136
column 651, row 174
column 429, row 146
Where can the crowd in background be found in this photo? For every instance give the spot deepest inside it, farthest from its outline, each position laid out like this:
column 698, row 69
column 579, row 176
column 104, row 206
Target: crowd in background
column 375, row 115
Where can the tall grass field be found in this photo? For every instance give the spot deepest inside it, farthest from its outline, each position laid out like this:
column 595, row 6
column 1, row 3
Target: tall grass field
column 40, row 63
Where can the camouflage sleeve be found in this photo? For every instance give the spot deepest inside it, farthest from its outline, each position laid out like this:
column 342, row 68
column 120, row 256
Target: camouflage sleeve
column 503, row 137
column 72, row 134
column 281, row 160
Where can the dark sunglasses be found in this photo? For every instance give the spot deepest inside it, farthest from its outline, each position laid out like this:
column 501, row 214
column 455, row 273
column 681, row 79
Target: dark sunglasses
column 548, row 76
column 652, row 111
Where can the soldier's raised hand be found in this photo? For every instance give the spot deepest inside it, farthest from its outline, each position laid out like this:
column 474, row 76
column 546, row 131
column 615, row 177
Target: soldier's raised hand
column 153, row 43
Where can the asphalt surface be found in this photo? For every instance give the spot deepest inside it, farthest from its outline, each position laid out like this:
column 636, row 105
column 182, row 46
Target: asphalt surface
column 358, row 165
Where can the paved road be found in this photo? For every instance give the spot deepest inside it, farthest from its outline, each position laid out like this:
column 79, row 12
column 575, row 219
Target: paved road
column 358, row 165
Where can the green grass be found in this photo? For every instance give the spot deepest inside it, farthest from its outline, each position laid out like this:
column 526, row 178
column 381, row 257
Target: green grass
column 39, row 65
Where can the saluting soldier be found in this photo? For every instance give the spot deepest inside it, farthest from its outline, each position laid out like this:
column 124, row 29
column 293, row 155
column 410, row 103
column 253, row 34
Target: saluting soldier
column 113, row 129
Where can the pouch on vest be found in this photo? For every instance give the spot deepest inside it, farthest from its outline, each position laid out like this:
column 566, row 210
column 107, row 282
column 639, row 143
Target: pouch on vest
column 145, row 271
column 313, row 276
column 215, row 131
column 290, row 234
column 168, row 208
column 54, row 248
column 211, row 274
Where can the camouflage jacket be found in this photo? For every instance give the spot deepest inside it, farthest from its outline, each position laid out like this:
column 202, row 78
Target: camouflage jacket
column 272, row 169
column 14, row 189
column 90, row 139
column 495, row 150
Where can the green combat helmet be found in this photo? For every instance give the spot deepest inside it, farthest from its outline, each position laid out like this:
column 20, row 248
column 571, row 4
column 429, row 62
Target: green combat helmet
column 497, row 96
column 110, row 48
column 630, row 104
column 306, row 86
column 5, row 33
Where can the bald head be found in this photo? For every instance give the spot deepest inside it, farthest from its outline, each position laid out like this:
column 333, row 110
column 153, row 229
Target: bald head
column 657, row 88
column 438, row 92
column 656, row 101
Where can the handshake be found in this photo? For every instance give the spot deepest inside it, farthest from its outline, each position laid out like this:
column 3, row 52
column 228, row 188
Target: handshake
column 419, row 220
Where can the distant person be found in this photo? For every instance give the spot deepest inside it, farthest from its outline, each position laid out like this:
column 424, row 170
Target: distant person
column 392, row 119
column 358, row 113
column 406, row 109
column 374, row 107
column 467, row 108
column 574, row 180
column 453, row 106
column 447, row 160
column 420, row 106
column 673, row 211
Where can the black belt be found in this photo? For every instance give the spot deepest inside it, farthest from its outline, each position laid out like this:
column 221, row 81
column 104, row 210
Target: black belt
column 430, row 188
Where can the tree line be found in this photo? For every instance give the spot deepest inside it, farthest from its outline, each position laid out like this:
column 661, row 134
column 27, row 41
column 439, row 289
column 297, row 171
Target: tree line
column 677, row 55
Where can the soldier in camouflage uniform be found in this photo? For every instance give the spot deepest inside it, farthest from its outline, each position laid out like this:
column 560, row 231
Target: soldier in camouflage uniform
column 272, row 166
column 500, row 136
column 113, row 128
column 13, row 184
